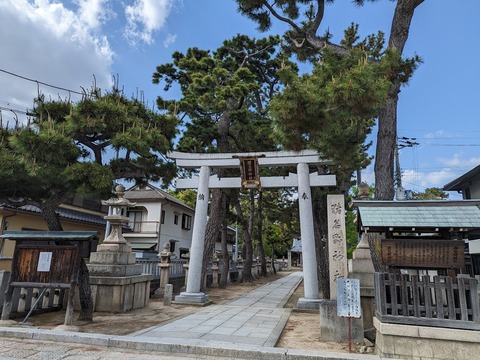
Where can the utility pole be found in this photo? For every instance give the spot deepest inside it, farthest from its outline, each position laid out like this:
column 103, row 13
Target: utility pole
column 402, row 142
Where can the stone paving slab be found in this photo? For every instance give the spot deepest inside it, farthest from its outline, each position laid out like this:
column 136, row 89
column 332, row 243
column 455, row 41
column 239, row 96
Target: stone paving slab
column 257, row 318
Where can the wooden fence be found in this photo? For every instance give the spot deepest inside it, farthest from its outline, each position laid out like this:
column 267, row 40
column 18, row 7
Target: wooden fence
column 24, row 299
column 417, row 300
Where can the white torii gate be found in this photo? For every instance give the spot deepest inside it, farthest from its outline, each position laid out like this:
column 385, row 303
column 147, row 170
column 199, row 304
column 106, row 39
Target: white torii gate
column 205, row 181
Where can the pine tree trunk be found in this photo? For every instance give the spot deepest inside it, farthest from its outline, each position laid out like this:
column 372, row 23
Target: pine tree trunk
column 261, row 250
column 225, row 258
column 387, row 119
column 85, row 293
column 321, row 246
column 214, row 225
column 386, row 142
column 247, row 243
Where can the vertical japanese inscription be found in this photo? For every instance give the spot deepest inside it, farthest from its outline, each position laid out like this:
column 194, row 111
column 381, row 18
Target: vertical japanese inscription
column 348, row 298
column 423, row 253
column 337, row 246
column 44, row 261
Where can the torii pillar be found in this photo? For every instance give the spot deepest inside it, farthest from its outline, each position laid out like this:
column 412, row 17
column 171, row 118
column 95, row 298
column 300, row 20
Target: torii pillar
column 310, row 279
column 192, row 293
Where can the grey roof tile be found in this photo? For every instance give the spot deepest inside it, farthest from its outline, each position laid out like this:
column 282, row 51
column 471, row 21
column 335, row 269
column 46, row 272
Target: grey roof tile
column 421, row 216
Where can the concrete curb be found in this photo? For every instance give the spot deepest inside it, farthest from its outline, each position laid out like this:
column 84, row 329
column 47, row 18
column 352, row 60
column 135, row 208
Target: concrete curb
column 184, row 346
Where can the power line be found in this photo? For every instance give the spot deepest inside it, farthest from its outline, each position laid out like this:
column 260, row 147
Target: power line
column 446, row 138
column 23, row 112
column 451, row 145
column 41, row 83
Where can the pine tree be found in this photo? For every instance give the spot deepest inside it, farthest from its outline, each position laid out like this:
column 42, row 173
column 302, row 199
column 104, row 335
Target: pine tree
column 80, row 149
column 224, row 97
column 304, row 18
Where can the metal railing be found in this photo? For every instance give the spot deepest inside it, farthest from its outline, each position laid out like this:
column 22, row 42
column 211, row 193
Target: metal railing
column 144, row 227
column 150, row 266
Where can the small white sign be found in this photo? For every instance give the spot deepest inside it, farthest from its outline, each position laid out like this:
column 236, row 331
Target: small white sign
column 348, row 298
column 44, row 262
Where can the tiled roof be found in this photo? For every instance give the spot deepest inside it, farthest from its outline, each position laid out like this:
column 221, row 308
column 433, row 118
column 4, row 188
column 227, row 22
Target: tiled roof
column 462, row 181
column 67, row 214
column 144, row 194
column 50, row 235
column 297, row 246
column 420, row 216
column 151, row 193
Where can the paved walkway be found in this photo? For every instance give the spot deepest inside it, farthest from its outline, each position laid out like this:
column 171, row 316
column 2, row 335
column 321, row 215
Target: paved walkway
column 246, row 328
column 257, row 318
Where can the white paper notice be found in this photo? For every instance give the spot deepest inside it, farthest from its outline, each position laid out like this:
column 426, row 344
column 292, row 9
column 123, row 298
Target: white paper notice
column 44, row 262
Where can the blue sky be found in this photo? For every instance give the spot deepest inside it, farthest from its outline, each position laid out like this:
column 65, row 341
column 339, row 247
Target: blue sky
column 65, row 43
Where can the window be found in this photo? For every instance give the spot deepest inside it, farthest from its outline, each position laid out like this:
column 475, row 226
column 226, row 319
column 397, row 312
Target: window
column 172, row 245
column 186, row 222
column 135, row 220
column 175, row 219
column 467, row 196
column 162, row 219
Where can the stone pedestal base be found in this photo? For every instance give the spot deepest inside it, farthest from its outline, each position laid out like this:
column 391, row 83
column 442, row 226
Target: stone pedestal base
column 308, row 304
column 114, row 270
column 117, row 282
column 192, row 298
column 335, row 328
column 396, row 341
column 361, row 267
column 120, row 294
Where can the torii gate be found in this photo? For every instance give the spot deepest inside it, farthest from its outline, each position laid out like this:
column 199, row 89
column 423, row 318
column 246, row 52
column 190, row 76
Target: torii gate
column 249, row 163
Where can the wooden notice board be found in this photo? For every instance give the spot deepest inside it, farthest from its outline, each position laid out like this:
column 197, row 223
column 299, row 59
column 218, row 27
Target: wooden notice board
column 46, row 259
column 423, row 253
column 43, row 265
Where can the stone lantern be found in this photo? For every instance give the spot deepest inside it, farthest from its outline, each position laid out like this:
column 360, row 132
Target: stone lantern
column 215, row 268
column 240, row 268
column 164, row 265
column 117, row 282
column 115, row 242
column 186, row 265
column 363, row 191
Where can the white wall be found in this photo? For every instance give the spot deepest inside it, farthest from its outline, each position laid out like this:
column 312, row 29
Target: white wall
column 171, row 231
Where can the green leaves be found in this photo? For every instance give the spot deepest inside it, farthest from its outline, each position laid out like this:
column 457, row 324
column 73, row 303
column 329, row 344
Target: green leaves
column 333, row 108
column 69, row 148
column 230, row 86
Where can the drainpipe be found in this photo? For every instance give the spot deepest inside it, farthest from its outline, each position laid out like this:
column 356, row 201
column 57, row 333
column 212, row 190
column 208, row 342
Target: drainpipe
column 4, row 222
column 2, row 229
column 159, row 227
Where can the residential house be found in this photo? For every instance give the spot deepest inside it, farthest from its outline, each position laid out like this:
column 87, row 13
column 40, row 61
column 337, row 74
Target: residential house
column 468, row 184
column 231, row 235
column 76, row 214
column 158, row 218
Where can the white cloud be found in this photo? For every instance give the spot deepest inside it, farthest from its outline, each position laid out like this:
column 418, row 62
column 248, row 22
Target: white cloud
column 53, row 44
column 443, row 134
column 458, row 161
column 169, row 40
column 144, row 17
column 438, row 178
column 94, row 13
